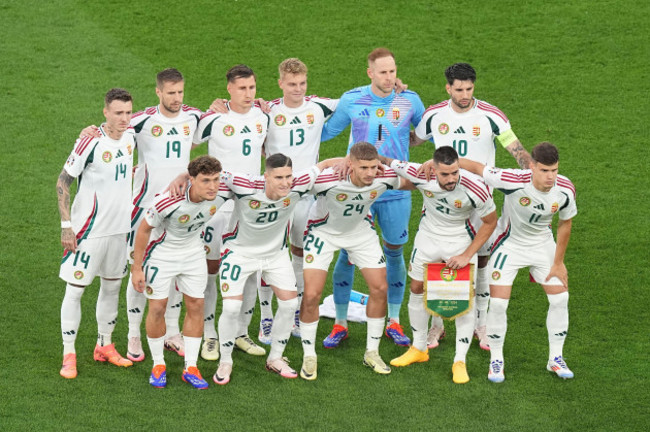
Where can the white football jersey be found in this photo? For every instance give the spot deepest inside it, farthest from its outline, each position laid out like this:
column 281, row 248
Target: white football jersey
column 178, row 224
column 260, row 227
column 341, row 206
column 164, row 146
column 296, row 132
column 472, row 134
column 103, row 169
column 446, row 214
column 528, row 212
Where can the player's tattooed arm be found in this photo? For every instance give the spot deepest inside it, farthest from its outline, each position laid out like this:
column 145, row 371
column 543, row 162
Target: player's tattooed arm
column 520, row 154
column 68, row 238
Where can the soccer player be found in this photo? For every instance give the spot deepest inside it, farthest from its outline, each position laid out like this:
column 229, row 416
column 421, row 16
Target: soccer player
column 383, row 118
column 445, row 234
column 256, row 241
column 473, row 128
column 163, row 136
column 174, row 255
column 235, row 138
column 93, row 235
column 532, row 198
column 341, row 219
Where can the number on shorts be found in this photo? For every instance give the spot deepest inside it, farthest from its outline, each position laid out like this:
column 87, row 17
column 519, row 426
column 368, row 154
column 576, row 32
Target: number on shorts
column 317, row 243
column 154, row 272
column 85, row 259
column 207, row 234
column 233, row 270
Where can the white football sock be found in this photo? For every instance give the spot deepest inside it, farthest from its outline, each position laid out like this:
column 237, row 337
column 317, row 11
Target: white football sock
column 192, row 347
column 497, row 325
column 266, row 299
column 419, row 319
column 228, row 323
column 557, row 322
column 248, row 305
column 375, row 330
column 157, row 348
column 308, row 336
column 464, row 334
column 106, row 312
column 210, row 307
column 70, row 317
column 136, row 303
column 282, row 325
column 482, row 296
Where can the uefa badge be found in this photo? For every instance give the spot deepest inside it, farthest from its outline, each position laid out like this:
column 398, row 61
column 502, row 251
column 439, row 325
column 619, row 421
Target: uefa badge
column 309, row 259
column 429, row 194
column 443, row 128
column 78, row 274
column 447, row 274
column 496, row 275
column 554, row 207
column 254, row 204
column 310, row 118
column 224, row 287
column 286, row 202
column 476, row 130
column 458, row 204
column 107, row 156
column 186, row 130
column 395, row 113
column 183, row 219
column 280, row 120
column 373, row 194
column 156, row 131
column 380, row 112
column 70, row 160
column 228, row 130
column 213, row 210
column 524, row 201
column 258, row 126
column 341, row 197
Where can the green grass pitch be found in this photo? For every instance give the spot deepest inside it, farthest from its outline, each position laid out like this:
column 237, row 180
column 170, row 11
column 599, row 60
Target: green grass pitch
column 573, row 73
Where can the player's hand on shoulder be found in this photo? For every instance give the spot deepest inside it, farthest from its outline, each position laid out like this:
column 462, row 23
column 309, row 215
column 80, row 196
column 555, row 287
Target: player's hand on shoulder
column 428, row 170
column 90, row 131
column 264, row 105
column 342, row 168
column 178, row 186
column 400, row 86
column 219, row 106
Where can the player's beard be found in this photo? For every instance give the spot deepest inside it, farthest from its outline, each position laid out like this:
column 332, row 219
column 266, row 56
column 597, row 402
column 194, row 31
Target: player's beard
column 171, row 109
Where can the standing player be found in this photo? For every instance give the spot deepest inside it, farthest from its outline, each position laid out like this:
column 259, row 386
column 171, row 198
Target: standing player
column 473, row 128
column 532, row 198
column 382, row 118
column 445, row 234
column 94, row 234
column 257, row 241
column 174, row 255
column 235, row 139
column 341, row 219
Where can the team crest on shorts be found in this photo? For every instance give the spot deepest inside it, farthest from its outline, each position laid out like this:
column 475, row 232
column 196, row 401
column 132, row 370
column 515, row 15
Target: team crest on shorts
column 280, row 120
column 373, row 194
column 207, row 249
column 395, row 113
column 184, row 218
column 149, row 290
column 554, row 207
column 213, row 210
column 341, row 197
column 107, row 156
column 309, row 259
column 310, row 118
column 286, row 202
column 78, row 274
column 228, row 130
column 524, row 201
column 380, row 112
column 132, row 254
column 156, row 130
column 443, row 128
column 496, row 275
column 258, row 127
column 447, row 274
column 254, row 204
column 225, row 287
column 458, row 204
column 476, row 130
column 186, row 130
column 429, row 194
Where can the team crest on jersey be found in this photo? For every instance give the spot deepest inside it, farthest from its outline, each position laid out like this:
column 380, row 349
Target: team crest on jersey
column 225, row 287
column 554, row 207
column 184, row 218
column 213, row 210
column 186, row 130
column 254, row 204
column 207, row 249
column 156, row 130
column 380, row 112
column 429, row 194
column 476, row 130
column 107, row 156
column 129, row 149
column 258, row 126
column 78, row 274
column 524, row 201
column 447, row 274
column 395, row 113
column 309, row 259
column 286, row 202
column 373, row 194
column 310, row 118
column 149, row 290
column 280, row 120
column 443, row 128
column 458, row 204
column 228, row 130
column 496, row 275
column 341, row 197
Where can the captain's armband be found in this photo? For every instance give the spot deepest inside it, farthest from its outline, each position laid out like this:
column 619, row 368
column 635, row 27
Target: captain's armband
column 507, row 138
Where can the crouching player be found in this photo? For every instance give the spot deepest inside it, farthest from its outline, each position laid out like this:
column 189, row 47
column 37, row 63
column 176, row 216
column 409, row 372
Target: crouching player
column 445, row 234
column 532, row 198
column 175, row 254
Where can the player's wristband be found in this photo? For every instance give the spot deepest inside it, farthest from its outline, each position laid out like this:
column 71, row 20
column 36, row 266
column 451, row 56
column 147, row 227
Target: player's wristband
column 66, row 224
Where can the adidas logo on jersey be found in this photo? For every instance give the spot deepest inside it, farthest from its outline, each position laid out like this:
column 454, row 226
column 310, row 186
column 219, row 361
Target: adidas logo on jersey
column 173, row 131
column 539, row 206
column 295, row 120
column 198, row 216
column 357, row 198
column 245, row 130
column 364, row 113
column 460, row 130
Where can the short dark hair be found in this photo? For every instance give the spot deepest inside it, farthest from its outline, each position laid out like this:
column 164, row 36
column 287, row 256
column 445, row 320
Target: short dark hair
column 545, row 153
column 461, row 72
column 239, row 71
column 204, row 165
column 379, row 53
column 278, row 160
column 117, row 94
column 363, row 151
column 171, row 75
column 446, row 155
